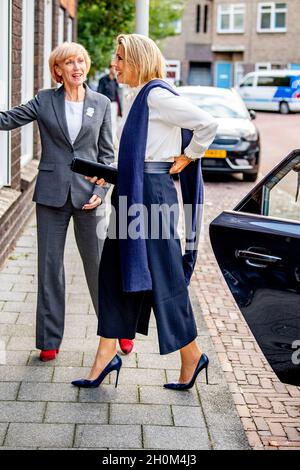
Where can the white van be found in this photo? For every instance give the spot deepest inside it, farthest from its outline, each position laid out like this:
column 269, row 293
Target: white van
column 271, row 90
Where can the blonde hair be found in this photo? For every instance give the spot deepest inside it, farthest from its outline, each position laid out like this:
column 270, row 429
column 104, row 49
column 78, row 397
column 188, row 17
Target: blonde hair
column 141, row 53
column 63, row 52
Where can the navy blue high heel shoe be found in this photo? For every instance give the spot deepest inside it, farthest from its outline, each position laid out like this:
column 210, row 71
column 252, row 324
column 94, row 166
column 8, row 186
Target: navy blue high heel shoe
column 114, row 364
column 202, row 364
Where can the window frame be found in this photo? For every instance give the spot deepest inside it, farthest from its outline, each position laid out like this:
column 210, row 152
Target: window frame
column 231, row 7
column 48, row 11
column 28, row 23
column 5, row 163
column 273, row 12
column 61, row 26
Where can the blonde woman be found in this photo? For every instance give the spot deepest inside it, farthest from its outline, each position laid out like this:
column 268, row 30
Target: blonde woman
column 73, row 121
column 144, row 272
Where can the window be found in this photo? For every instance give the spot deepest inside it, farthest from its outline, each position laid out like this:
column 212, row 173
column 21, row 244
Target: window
column 70, row 29
column 198, row 18
column 271, row 17
column 47, row 41
column 248, row 82
column 27, row 76
column 178, row 26
column 205, row 18
column 281, row 193
column 231, row 18
column 61, row 26
column 5, row 34
column 263, row 66
column 273, row 81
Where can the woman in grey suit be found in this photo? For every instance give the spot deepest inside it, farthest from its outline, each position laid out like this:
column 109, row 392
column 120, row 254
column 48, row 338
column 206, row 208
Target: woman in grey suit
column 73, row 121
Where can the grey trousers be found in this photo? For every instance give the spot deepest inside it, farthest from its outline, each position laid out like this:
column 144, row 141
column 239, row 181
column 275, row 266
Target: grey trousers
column 52, row 225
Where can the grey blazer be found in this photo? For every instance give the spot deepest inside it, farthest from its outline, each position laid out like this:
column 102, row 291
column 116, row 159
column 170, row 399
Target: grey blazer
column 94, row 142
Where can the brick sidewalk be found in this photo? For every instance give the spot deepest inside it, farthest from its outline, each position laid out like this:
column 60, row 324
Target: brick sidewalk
column 269, row 410
column 39, row 408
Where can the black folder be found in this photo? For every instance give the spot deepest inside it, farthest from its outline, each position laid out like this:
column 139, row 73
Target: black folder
column 90, row 168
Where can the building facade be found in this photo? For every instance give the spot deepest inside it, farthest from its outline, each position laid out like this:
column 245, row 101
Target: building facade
column 29, row 30
column 221, row 40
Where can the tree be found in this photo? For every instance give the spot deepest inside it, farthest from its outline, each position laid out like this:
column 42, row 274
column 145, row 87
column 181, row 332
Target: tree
column 164, row 15
column 100, row 21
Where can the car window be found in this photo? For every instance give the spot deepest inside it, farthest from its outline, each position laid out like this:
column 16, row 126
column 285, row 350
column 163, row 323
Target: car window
column 281, row 195
column 273, row 81
column 248, row 82
column 219, row 106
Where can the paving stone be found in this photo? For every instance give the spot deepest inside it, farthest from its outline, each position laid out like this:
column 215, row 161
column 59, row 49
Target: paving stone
column 63, row 359
column 21, row 288
column 77, row 308
column 26, row 374
column 8, row 317
column 110, row 436
column 80, row 344
column 164, row 437
column 145, row 347
column 21, row 343
column 142, row 376
column 219, row 408
column 230, row 440
column 6, row 286
column 160, row 396
column 156, row 361
column 47, row 392
column 8, row 391
column 17, row 330
column 18, row 412
column 20, row 307
column 17, row 358
column 141, row 414
column 77, row 413
column 41, row 435
column 127, row 360
column 67, row 374
column 190, row 416
column 83, row 321
column 3, row 429
column 12, row 296
column 110, row 394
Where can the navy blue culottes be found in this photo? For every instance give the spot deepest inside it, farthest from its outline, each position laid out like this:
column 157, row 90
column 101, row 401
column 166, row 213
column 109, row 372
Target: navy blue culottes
column 121, row 314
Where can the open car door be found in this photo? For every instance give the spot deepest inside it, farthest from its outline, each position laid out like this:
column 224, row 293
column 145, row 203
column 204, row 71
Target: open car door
column 257, row 246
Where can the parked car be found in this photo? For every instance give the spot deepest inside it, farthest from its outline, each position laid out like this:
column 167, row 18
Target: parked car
column 257, row 246
column 271, row 90
column 236, row 147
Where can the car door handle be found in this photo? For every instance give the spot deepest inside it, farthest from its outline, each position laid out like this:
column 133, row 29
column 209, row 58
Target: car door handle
column 251, row 256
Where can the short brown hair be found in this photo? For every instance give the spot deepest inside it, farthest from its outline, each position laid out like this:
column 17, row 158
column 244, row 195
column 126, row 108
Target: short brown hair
column 63, row 52
column 142, row 54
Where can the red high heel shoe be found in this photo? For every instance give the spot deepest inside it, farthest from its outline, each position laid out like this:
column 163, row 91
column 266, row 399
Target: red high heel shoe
column 48, row 354
column 126, row 345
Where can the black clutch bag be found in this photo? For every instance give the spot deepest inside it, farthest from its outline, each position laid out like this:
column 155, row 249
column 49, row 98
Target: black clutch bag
column 89, row 168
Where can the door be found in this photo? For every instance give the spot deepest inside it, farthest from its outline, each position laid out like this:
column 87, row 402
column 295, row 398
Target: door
column 199, row 74
column 247, row 91
column 224, row 74
column 257, row 246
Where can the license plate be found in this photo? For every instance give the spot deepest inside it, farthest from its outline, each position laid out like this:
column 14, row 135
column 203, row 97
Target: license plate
column 215, row 154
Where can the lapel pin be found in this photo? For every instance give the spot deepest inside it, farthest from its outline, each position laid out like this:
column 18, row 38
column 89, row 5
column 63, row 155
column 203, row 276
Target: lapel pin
column 90, row 112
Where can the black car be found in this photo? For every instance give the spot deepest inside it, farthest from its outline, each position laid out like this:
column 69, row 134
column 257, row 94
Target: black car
column 236, row 147
column 257, row 246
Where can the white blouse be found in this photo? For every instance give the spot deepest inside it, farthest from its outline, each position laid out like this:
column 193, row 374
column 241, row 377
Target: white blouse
column 168, row 113
column 74, row 111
